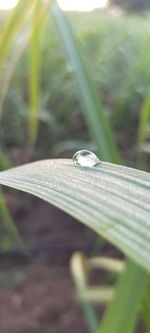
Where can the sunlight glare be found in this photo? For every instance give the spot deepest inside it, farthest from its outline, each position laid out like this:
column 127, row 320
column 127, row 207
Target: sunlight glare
column 82, row 5
column 8, row 4
column 77, row 5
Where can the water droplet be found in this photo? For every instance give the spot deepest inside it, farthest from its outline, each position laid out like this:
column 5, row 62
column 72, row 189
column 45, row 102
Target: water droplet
column 85, row 158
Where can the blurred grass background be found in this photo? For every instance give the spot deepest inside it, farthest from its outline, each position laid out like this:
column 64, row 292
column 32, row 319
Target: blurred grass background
column 42, row 114
column 45, row 113
column 115, row 48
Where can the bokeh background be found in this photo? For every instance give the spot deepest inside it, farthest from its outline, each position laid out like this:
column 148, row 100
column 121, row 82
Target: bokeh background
column 43, row 115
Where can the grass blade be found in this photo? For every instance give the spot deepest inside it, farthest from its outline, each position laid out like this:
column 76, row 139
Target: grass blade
column 126, row 301
column 38, row 16
column 13, row 25
column 8, row 74
column 7, row 77
column 97, row 295
column 93, row 112
column 9, row 224
column 7, row 219
column 144, row 119
column 79, row 272
column 34, row 83
column 113, row 200
column 110, row 264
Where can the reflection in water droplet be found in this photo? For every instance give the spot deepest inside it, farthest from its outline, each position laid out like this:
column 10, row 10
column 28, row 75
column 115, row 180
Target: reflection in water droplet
column 85, row 158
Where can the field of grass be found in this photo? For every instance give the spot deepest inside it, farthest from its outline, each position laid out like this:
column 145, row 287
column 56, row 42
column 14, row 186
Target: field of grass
column 116, row 50
column 82, row 81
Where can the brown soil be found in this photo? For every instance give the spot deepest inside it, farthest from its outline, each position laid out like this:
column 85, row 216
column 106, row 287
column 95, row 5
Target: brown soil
column 37, row 295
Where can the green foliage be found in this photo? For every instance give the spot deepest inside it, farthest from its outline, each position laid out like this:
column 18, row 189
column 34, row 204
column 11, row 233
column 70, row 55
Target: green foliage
column 37, row 21
column 121, row 314
column 11, row 27
column 96, row 124
column 112, row 200
column 116, row 52
column 117, row 205
column 144, row 123
column 11, row 237
column 35, row 61
column 93, row 111
column 78, row 268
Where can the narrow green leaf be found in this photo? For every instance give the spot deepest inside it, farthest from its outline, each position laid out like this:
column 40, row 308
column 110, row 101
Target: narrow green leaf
column 143, row 121
column 97, row 295
column 110, row 264
column 15, row 58
column 13, row 25
column 126, row 301
column 8, row 74
column 39, row 15
column 9, row 224
column 113, row 200
column 79, row 272
column 34, row 77
column 93, row 112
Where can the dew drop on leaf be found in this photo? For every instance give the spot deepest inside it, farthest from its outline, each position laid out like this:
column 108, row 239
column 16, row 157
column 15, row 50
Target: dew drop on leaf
column 85, row 158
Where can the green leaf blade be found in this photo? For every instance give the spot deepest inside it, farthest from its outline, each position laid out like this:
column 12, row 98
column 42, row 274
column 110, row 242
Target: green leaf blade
column 126, row 301
column 13, row 25
column 110, row 199
column 97, row 123
column 35, row 67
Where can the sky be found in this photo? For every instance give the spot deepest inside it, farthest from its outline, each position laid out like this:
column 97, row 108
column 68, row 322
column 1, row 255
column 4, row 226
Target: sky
column 79, row 5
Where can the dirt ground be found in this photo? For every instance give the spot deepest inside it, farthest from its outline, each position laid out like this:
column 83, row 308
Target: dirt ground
column 37, row 295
